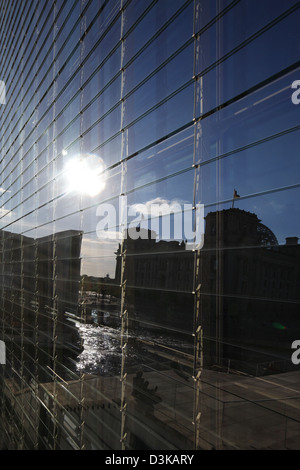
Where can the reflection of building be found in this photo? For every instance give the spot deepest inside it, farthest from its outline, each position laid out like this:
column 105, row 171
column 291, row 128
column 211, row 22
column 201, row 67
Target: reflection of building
column 159, row 280
column 39, row 289
column 248, row 289
column 250, row 295
column 156, row 264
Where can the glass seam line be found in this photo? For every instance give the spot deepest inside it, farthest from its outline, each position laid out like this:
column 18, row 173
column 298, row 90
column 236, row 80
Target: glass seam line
column 214, row 110
column 249, row 146
column 252, row 38
column 70, row 56
column 200, row 164
column 164, row 27
column 25, row 79
column 151, row 40
column 251, row 297
column 20, row 59
column 4, row 36
column 91, row 101
column 248, row 400
column 24, row 34
column 217, row 108
column 103, row 117
column 74, row 74
column 101, row 40
column 89, row 207
column 258, row 194
column 20, row 51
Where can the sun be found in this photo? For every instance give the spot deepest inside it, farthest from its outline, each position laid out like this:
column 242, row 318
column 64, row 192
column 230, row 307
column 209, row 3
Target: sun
column 85, row 174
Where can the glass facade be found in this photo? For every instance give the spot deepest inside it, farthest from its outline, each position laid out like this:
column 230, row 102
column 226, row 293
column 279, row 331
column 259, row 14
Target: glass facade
column 149, row 224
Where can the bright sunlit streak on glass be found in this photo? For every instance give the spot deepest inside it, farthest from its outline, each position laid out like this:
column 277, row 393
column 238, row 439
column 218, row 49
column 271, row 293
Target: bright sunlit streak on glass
column 85, row 174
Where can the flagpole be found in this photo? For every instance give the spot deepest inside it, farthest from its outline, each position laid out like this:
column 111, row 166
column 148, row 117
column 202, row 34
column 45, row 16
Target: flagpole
column 235, row 196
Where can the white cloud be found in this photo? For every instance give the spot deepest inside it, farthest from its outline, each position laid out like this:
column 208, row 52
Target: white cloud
column 157, row 207
column 4, row 212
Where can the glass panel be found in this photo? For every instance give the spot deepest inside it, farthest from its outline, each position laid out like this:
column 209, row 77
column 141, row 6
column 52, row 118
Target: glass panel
column 108, row 35
column 249, row 65
column 169, row 157
column 102, row 104
column 149, row 216
column 160, row 49
column 157, row 16
column 100, row 72
column 248, row 121
column 255, row 260
column 169, row 79
column 158, row 362
column 103, row 130
column 161, row 121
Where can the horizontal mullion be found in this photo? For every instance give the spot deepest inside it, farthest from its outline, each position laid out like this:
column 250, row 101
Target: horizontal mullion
column 20, row 62
column 248, row 298
column 249, row 146
column 248, row 41
column 252, row 195
column 176, row 14
column 160, row 103
column 3, row 46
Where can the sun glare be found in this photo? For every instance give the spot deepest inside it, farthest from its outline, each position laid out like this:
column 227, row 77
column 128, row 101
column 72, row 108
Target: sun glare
column 85, row 174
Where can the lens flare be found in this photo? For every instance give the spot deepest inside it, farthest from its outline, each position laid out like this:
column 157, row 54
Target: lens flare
column 278, row 326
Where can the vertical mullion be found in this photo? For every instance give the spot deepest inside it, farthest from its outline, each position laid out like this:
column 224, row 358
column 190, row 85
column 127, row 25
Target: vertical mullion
column 219, row 234
column 54, row 340
column 22, row 337
column 124, row 313
column 81, row 374
column 36, row 343
column 198, row 330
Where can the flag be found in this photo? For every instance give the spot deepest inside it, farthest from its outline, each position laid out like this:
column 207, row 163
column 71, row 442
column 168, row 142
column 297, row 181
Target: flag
column 235, row 196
